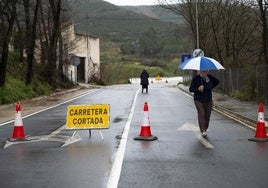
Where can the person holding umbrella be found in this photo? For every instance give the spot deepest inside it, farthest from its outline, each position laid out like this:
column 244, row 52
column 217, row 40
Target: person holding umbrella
column 202, row 86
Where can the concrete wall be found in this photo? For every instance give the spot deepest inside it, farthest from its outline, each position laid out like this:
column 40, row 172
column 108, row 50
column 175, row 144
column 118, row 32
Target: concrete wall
column 86, row 47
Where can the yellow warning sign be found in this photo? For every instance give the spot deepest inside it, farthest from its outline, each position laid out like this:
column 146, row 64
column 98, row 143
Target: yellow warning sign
column 95, row 116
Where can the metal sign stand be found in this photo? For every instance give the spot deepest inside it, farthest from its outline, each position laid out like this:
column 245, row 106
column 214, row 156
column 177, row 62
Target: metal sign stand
column 73, row 135
column 89, row 132
column 101, row 134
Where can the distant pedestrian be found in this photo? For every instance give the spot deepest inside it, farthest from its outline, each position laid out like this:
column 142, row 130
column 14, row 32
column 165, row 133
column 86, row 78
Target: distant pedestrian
column 144, row 80
column 202, row 85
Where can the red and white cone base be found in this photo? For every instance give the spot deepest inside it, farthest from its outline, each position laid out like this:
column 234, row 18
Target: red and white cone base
column 260, row 135
column 18, row 131
column 145, row 132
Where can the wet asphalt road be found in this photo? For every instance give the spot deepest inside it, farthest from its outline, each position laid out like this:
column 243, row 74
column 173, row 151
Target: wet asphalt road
column 178, row 158
column 48, row 159
column 181, row 158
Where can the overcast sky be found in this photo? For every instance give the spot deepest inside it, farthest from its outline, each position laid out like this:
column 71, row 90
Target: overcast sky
column 132, row 2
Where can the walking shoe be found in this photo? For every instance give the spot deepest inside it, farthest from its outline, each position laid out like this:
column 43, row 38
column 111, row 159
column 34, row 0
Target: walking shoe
column 204, row 134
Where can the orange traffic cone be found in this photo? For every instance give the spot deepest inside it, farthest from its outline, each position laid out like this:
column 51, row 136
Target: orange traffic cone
column 145, row 132
column 260, row 135
column 18, row 131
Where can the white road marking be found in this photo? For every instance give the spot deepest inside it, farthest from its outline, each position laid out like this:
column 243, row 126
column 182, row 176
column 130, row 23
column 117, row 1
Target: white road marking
column 54, row 136
column 72, row 140
column 204, row 141
column 195, row 129
column 119, row 156
column 188, row 127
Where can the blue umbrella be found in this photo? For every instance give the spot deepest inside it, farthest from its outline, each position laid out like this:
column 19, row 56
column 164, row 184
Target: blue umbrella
column 200, row 63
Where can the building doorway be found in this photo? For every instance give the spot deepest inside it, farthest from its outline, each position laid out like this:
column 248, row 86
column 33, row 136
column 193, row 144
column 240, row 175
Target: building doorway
column 81, row 70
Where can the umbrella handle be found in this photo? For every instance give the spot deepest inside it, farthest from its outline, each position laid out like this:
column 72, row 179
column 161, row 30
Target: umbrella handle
column 201, row 85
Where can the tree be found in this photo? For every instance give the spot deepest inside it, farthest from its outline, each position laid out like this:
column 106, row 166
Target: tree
column 231, row 27
column 30, row 35
column 8, row 15
column 55, row 6
column 50, row 39
column 263, row 5
column 227, row 28
column 150, row 43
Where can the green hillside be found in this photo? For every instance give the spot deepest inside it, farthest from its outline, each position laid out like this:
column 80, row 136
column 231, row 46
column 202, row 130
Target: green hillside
column 121, row 29
column 103, row 19
column 156, row 12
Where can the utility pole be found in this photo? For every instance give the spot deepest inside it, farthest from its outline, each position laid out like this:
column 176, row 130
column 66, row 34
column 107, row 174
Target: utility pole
column 196, row 22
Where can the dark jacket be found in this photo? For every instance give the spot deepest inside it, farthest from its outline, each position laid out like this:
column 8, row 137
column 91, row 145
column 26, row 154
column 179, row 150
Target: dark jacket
column 209, row 84
column 144, row 78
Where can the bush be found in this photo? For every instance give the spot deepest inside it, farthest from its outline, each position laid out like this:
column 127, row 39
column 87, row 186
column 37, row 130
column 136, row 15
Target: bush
column 15, row 90
column 245, row 93
column 41, row 88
